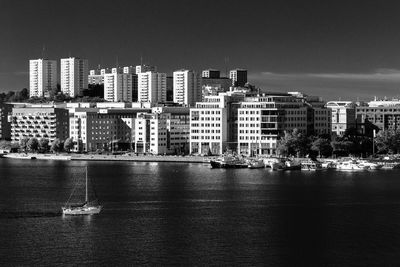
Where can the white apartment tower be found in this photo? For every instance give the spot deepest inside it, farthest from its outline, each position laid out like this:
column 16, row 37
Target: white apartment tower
column 145, row 68
column 74, row 76
column 42, row 76
column 118, row 87
column 152, row 87
column 187, row 87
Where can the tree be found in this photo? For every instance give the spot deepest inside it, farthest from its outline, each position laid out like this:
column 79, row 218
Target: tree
column 55, row 145
column 68, row 144
column 5, row 144
column 293, row 143
column 22, row 143
column 32, row 144
column 322, row 146
column 43, row 145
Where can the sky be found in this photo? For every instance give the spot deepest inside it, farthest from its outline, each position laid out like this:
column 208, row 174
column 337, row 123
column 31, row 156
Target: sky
column 336, row 49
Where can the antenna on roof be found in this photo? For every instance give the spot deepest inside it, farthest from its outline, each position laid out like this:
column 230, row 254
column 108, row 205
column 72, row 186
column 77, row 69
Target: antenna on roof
column 116, row 62
column 43, row 51
column 141, row 60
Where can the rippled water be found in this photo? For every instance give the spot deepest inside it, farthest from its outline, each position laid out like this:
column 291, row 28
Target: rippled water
column 189, row 214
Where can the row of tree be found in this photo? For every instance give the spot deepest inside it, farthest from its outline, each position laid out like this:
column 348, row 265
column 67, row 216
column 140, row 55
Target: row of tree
column 295, row 143
column 54, row 95
column 41, row 145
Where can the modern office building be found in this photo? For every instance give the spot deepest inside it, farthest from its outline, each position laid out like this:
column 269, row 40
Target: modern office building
column 118, row 87
column 178, row 128
column 74, row 76
column 210, row 73
column 152, row 87
column 264, row 118
column 187, row 87
column 238, row 77
column 107, row 129
column 39, row 122
column 42, row 77
column 213, row 124
column 385, row 114
column 343, row 116
column 151, row 133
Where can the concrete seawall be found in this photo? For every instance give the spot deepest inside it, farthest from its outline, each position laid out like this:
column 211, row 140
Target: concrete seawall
column 186, row 159
column 88, row 157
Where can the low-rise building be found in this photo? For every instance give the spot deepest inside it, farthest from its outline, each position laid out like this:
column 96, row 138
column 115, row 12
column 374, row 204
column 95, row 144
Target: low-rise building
column 103, row 128
column 39, row 122
column 343, row 116
column 384, row 114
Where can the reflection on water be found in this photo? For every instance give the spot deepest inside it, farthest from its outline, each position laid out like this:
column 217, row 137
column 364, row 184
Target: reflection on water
column 189, row 214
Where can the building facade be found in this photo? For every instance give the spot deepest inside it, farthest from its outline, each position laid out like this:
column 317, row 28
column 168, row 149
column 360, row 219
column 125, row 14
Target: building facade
column 118, row 87
column 385, row 114
column 145, row 68
column 213, row 124
column 210, row 73
column 187, row 87
column 108, row 129
column 39, row 122
column 263, row 119
column 238, row 77
column 74, row 76
column 343, row 116
column 42, row 77
column 152, row 87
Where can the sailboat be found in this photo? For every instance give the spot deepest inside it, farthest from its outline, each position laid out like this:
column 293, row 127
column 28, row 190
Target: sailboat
column 86, row 208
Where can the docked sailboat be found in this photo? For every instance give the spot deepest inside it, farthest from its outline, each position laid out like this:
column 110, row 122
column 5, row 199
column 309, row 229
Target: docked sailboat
column 88, row 207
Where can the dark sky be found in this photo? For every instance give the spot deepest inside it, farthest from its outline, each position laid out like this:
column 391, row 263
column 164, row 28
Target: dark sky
column 336, row 49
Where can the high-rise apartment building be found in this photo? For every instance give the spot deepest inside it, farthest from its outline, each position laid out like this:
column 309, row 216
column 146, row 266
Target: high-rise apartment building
column 42, row 77
column 118, row 87
column 210, row 73
column 152, row 87
column 145, row 68
column 74, row 76
column 187, row 87
column 238, row 77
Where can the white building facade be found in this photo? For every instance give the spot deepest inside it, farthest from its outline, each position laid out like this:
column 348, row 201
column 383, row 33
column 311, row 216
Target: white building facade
column 118, row 87
column 187, row 87
column 343, row 116
column 74, row 76
column 42, row 77
column 152, row 87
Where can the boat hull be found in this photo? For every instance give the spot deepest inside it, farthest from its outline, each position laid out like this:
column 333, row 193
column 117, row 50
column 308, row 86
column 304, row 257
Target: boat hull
column 81, row 210
column 223, row 165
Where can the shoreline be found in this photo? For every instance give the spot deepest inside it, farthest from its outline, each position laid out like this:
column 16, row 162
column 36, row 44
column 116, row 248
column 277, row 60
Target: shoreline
column 86, row 157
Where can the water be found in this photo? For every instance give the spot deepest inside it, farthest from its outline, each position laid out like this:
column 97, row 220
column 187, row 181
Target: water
column 189, row 214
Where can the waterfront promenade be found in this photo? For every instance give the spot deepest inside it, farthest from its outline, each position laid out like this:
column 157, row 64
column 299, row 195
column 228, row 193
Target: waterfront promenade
column 109, row 157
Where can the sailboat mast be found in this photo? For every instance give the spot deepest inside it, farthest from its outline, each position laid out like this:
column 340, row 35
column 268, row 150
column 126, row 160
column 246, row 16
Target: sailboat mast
column 86, row 196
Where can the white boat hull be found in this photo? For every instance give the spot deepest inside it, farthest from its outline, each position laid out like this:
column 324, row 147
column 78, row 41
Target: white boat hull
column 81, row 210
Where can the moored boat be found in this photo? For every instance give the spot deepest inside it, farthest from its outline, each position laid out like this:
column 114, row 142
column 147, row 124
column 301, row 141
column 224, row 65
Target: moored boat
column 350, row 165
column 370, row 165
column 256, row 164
column 311, row 166
column 228, row 161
